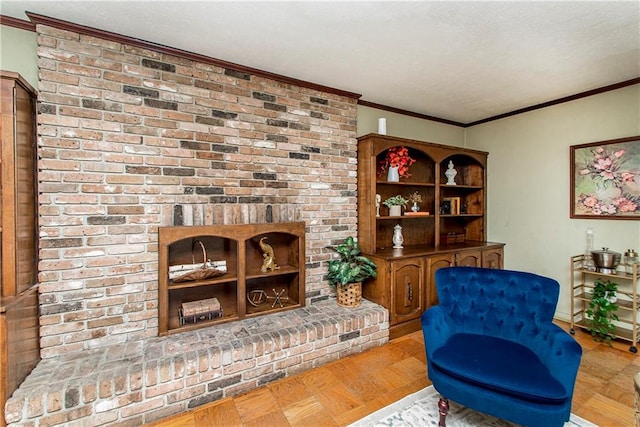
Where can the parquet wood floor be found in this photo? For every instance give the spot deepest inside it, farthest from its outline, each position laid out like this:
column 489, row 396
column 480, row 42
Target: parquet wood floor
column 344, row 391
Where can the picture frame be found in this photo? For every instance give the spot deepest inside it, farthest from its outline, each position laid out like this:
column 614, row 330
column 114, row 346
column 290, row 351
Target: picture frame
column 605, row 179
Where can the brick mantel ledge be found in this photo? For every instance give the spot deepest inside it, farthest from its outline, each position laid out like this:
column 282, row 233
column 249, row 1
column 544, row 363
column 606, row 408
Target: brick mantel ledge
column 142, row 381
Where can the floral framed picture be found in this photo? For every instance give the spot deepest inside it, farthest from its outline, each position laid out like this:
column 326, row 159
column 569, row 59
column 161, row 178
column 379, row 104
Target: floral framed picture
column 605, row 179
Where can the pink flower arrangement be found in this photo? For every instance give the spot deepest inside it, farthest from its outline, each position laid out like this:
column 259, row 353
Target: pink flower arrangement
column 605, row 167
column 397, row 157
column 596, row 206
column 611, row 195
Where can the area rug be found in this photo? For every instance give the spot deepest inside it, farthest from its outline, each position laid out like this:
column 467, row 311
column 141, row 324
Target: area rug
column 420, row 410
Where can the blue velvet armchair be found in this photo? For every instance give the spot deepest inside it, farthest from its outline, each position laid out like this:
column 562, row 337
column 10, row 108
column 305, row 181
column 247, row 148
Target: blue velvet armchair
column 491, row 346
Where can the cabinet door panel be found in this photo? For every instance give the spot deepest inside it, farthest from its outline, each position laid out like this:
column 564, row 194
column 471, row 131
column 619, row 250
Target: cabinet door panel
column 492, row 258
column 469, row 259
column 407, row 290
column 436, row 263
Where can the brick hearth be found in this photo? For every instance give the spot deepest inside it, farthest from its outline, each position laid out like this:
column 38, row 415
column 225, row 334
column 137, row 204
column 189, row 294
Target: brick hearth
column 141, row 381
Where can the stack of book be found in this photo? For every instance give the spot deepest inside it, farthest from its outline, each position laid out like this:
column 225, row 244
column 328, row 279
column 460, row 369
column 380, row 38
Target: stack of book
column 206, row 309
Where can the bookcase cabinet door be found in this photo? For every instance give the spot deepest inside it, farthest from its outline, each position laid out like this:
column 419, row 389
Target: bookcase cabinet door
column 407, row 288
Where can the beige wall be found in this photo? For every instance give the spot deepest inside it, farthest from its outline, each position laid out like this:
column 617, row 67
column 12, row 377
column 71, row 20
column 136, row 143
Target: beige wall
column 528, row 167
column 409, row 127
column 18, row 53
column 529, row 182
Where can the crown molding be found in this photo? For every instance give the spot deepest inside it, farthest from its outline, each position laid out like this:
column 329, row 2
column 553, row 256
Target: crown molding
column 10, row 21
column 156, row 47
column 65, row 25
column 562, row 100
column 408, row 113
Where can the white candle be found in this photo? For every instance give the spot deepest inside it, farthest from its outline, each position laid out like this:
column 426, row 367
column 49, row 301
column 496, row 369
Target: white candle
column 382, row 126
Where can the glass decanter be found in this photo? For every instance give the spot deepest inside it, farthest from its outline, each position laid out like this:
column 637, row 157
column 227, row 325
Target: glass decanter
column 588, row 263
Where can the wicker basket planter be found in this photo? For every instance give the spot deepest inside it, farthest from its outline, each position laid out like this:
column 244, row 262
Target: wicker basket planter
column 349, row 295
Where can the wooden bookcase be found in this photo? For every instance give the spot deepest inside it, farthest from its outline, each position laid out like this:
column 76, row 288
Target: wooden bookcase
column 19, row 321
column 239, row 246
column 405, row 284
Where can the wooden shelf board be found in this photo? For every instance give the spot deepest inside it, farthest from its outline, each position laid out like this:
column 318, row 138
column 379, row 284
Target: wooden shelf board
column 282, row 271
column 405, row 183
column 255, row 311
column 221, row 280
column 622, row 333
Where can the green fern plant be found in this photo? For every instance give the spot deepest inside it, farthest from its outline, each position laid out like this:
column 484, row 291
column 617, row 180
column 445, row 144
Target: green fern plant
column 350, row 266
column 601, row 311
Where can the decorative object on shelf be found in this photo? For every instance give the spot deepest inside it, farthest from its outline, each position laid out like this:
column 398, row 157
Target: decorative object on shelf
column 588, row 264
column 269, row 262
column 601, row 310
column 450, row 173
column 382, row 126
column 393, row 174
column 415, row 198
column 395, row 205
column 604, row 179
column 378, row 202
column 454, row 205
column 397, row 157
column 278, row 297
column 397, row 239
column 452, row 237
column 630, row 258
column 348, row 271
column 257, row 297
column 445, row 207
column 606, row 261
column 206, row 269
column 206, row 309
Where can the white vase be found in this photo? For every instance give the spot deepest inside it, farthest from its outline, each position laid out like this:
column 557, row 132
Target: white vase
column 397, row 238
column 395, row 210
column 392, row 175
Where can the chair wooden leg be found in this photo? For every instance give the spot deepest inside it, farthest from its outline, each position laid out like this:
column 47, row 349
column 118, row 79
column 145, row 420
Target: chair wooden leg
column 443, row 410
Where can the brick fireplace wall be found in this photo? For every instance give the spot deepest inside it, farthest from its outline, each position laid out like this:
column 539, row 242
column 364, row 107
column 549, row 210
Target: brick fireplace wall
column 131, row 139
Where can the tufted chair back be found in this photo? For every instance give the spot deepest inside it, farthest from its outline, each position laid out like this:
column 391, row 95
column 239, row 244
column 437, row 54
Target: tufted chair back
column 502, row 303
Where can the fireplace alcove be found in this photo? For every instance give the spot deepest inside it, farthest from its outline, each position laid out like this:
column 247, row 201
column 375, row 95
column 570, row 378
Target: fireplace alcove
column 282, row 288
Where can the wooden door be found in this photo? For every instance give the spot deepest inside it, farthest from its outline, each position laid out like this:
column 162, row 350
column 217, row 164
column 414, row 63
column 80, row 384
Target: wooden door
column 407, row 287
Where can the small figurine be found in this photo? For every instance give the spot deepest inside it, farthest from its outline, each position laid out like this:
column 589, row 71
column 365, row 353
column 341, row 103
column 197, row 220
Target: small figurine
column 378, row 200
column 450, row 173
column 269, row 262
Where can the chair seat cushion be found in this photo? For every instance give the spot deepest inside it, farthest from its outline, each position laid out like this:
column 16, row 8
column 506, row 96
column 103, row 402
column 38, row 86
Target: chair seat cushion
column 500, row 365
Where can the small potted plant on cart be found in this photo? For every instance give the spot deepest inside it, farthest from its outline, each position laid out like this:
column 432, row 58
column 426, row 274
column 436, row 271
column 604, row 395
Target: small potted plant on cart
column 601, row 311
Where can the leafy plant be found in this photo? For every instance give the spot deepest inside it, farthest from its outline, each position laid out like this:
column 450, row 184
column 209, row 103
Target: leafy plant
column 601, row 310
column 350, row 266
column 415, row 198
column 395, row 201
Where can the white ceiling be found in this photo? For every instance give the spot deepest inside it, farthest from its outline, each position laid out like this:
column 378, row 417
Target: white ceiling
column 461, row 61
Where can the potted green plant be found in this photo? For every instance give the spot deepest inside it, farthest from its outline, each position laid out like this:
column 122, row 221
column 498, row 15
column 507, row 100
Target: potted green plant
column 348, row 271
column 395, row 205
column 601, row 311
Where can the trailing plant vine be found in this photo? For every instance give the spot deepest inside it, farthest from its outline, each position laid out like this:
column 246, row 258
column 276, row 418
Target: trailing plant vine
column 601, row 311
